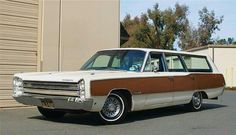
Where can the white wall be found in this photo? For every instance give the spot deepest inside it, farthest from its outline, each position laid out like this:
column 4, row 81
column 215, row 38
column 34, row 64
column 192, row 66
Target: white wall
column 73, row 30
column 225, row 59
column 50, row 35
column 207, row 51
column 86, row 27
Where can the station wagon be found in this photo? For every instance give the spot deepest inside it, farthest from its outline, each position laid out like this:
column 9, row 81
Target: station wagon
column 114, row 82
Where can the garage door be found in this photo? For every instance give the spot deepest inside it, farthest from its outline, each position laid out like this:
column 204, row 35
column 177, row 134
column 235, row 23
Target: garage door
column 18, row 43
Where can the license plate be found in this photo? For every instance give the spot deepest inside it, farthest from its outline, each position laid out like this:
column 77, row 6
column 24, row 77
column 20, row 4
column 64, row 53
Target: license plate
column 47, row 103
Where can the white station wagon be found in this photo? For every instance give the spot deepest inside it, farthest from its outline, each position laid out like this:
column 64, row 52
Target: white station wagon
column 116, row 81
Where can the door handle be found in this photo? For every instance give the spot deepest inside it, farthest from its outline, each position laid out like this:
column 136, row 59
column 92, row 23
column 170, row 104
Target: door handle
column 171, row 77
column 192, row 77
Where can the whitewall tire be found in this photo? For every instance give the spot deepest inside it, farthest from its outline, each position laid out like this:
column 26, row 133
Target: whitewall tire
column 114, row 109
column 196, row 102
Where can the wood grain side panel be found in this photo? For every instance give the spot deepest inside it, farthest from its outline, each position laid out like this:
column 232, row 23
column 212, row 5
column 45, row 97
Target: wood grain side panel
column 152, row 85
column 183, row 83
column 207, row 81
column 135, row 85
column 158, row 84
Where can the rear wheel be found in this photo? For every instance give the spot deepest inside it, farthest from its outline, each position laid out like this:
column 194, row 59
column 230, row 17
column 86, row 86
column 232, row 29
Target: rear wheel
column 51, row 113
column 196, row 102
column 115, row 109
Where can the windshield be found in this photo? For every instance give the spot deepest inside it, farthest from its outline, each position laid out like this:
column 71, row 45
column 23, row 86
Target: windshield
column 129, row 60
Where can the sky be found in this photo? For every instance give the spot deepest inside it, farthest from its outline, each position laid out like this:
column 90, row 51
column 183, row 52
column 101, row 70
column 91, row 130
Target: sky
column 226, row 8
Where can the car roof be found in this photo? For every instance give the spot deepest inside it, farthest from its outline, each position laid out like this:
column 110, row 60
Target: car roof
column 156, row 50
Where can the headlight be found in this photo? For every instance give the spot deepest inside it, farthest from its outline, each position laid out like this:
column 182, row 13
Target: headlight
column 81, row 89
column 17, row 86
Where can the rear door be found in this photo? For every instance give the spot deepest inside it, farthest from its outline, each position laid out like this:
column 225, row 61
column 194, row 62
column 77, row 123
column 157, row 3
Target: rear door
column 183, row 82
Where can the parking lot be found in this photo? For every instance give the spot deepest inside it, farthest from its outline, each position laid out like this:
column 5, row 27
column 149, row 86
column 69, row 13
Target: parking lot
column 217, row 118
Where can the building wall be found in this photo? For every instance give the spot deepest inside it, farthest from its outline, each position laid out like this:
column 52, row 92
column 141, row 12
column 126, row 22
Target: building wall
column 224, row 58
column 52, row 35
column 19, row 41
column 74, row 30
column 207, row 51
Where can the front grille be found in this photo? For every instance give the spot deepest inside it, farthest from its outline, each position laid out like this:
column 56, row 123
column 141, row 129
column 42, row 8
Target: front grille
column 50, row 88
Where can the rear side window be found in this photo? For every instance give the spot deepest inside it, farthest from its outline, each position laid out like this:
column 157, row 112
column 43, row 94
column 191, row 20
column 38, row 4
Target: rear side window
column 154, row 63
column 197, row 64
column 173, row 63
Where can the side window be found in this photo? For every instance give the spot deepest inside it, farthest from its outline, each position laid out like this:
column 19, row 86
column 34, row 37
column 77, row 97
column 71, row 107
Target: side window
column 196, row 63
column 154, row 63
column 133, row 60
column 174, row 63
column 116, row 61
column 102, row 61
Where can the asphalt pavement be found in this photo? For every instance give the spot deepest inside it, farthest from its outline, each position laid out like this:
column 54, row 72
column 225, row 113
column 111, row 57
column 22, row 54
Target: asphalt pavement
column 217, row 118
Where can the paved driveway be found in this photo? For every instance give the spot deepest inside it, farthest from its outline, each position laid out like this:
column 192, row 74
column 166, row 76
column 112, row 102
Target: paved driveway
column 217, row 118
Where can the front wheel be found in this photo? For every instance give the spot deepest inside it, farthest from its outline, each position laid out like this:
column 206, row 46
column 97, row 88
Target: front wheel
column 51, row 113
column 115, row 109
column 196, row 102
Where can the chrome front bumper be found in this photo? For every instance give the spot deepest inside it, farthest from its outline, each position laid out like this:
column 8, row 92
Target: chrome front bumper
column 59, row 102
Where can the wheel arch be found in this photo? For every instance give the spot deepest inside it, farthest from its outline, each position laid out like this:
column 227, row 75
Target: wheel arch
column 126, row 93
column 204, row 95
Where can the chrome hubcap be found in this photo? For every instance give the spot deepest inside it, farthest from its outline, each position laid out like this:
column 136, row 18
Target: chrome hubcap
column 112, row 107
column 196, row 100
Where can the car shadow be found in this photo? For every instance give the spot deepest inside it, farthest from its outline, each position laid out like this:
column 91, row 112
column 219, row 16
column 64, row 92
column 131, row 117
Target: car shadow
column 93, row 119
column 167, row 111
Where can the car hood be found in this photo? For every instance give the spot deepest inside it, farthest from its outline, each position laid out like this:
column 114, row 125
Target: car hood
column 73, row 76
